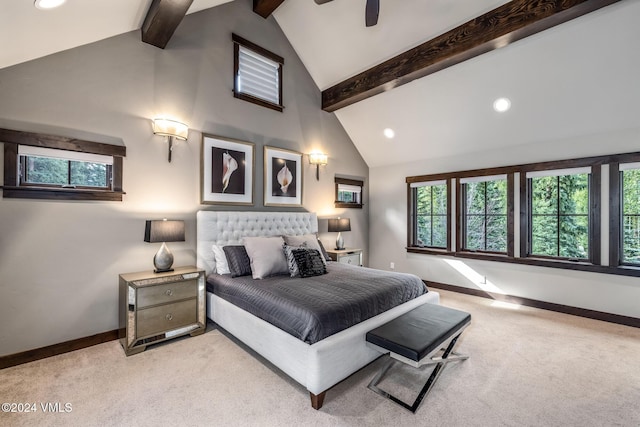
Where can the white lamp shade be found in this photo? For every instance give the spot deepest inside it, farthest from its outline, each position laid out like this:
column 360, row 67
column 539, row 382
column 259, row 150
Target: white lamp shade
column 167, row 127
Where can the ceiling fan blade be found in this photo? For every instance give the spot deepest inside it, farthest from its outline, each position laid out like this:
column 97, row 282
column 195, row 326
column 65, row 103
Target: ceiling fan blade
column 371, row 12
column 322, row 1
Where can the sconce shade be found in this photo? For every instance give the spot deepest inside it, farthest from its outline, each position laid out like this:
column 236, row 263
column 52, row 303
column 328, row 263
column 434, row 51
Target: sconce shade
column 318, row 159
column 338, row 225
column 157, row 231
column 171, row 128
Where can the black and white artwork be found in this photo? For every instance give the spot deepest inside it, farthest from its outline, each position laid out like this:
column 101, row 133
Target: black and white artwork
column 282, row 177
column 227, row 171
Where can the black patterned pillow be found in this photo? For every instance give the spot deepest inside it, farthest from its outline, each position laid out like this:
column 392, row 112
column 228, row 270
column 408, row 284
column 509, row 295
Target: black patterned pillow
column 310, row 262
column 291, row 261
column 238, row 260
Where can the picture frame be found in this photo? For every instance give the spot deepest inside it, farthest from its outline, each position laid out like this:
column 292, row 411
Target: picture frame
column 282, row 177
column 227, row 171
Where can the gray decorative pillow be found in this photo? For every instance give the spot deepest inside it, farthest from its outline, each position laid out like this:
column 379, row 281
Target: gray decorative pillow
column 266, row 255
column 291, row 261
column 310, row 239
column 310, row 262
column 238, row 260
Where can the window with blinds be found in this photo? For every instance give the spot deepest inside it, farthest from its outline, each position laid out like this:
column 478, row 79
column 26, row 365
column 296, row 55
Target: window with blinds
column 348, row 193
column 258, row 74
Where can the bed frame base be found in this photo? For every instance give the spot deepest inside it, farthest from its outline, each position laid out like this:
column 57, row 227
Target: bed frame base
column 317, row 400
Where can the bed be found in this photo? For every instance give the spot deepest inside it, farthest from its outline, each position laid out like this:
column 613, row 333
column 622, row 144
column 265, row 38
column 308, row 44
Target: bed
column 316, row 365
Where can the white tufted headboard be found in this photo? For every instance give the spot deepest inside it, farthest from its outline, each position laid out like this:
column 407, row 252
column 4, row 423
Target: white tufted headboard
column 228, row 228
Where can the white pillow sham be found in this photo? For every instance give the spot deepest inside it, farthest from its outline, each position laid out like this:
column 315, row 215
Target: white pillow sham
column 222, row 265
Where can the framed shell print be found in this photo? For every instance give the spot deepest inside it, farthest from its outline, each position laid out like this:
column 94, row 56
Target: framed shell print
column 227, row 171
column 282, row 177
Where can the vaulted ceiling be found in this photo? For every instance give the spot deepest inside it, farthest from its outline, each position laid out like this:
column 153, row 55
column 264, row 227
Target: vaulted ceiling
column 575, row 79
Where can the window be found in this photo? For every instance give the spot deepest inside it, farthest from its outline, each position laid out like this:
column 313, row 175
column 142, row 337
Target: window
column 41, row 166
column 257, row 74
column 484, row 223
column 431, row 214
column 348, row 193
column 630, row 207
column 60, row 168
column 559, row 213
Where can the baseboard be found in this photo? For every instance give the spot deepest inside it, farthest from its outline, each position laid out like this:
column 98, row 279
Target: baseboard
column 55, row 349
column 566, row 309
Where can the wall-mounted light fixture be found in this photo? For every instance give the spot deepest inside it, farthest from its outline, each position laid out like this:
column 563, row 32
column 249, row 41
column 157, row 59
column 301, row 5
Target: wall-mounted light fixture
column 171, row 129
column 318, row 159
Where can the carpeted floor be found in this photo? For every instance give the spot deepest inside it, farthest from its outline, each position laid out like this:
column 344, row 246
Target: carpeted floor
column 527, row 367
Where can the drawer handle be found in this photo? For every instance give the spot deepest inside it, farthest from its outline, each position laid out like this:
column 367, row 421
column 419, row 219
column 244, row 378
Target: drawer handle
column 169, row 316
column 169, row 292
column 349, row 261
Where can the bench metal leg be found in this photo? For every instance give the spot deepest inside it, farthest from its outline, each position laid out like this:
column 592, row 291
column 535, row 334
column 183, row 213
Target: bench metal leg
column 440, row 363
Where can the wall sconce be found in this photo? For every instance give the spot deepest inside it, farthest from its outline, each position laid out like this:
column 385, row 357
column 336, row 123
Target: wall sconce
column 318, row 159
column 171, row 129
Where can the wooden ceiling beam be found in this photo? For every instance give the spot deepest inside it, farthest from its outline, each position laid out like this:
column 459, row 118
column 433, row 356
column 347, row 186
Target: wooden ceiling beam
column 163, row 17
column 495, row 29
column 265, row 8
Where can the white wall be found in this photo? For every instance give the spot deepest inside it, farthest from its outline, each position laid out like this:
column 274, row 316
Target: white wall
column 59, row 261
column 388, row 222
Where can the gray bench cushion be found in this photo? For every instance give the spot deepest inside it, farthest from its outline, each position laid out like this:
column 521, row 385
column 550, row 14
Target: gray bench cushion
column 419, row 332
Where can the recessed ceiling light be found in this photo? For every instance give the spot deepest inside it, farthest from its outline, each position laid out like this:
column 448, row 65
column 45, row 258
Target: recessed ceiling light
column 48, row 4
column 501, row 105
column 389, row 133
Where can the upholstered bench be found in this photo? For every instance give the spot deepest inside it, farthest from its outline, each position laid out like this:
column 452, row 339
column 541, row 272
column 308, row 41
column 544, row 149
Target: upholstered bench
column 417, row 338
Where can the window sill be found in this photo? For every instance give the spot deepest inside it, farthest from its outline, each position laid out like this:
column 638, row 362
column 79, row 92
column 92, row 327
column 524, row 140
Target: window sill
column 9, row 192
column 348, row 205
column 622, row 270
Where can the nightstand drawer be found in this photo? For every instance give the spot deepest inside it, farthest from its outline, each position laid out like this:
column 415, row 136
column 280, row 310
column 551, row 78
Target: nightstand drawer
column 166, row 317
column 169, row 292
column 353, row 259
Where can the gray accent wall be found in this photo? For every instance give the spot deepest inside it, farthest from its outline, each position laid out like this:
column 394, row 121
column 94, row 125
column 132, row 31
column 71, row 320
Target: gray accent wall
column 59, row 261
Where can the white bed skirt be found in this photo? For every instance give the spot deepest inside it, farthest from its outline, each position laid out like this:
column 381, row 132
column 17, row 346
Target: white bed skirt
column 317, row 366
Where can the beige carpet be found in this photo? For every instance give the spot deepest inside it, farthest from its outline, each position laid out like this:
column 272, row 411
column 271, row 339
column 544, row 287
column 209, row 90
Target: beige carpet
column 527, row 367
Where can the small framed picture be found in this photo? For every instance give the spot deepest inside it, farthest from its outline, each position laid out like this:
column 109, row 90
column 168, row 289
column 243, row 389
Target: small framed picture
column 227, row 171
column 282, row 177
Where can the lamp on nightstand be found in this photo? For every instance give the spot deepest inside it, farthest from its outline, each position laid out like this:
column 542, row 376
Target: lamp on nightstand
column 156, row 231
column 339, row 225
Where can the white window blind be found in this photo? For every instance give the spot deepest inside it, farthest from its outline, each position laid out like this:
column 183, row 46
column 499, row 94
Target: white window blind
column 558, row 172
column 482, row 179
column 428, row 183
column 52, row 153
column 629, row 166
column 258, row 76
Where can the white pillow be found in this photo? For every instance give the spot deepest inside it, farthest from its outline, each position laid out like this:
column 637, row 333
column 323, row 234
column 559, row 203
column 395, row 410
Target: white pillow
column 222, row 265
column 266, row 256
column 309, row 239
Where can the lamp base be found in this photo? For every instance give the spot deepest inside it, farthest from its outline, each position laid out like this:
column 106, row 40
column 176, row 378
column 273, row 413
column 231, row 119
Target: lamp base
column 339, row 242
column 163, row 260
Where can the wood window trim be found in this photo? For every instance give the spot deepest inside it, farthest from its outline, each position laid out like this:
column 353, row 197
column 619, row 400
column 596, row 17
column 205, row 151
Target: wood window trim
column 240, row 41
column 612, row 161
column 11, row 188
column 345, row 181
column 412, row 233
column 461, row 227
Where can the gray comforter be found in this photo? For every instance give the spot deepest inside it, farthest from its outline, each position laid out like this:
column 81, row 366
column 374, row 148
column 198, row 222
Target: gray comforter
column 314, row 308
